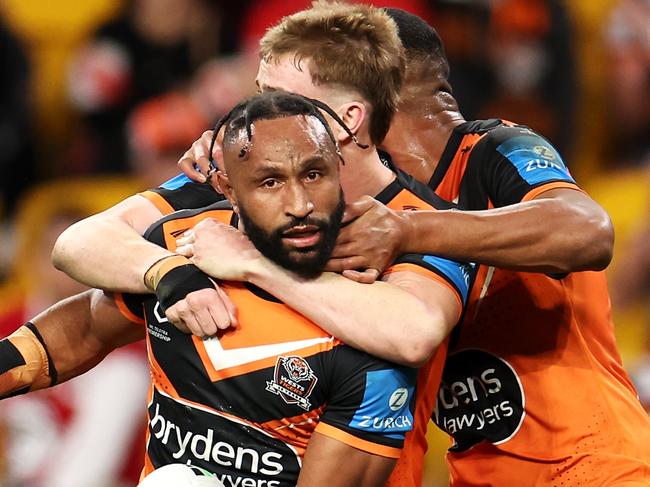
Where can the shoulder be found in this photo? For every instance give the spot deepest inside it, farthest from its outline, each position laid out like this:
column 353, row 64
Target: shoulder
column 179, row 221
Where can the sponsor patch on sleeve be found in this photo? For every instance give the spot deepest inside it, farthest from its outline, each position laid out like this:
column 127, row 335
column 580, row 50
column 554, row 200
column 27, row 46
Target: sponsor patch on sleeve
column 535, row 159
column 387, row 400
column 176, row 182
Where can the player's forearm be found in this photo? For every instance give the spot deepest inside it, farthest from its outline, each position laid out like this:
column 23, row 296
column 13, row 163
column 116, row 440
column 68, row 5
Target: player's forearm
column 542, row 235
column 378, row 318
column 55, row 346
column 106, row 252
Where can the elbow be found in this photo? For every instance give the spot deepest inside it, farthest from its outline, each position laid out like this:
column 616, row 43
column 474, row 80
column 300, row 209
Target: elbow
column 61, row 250
column 603, row 244
column 584, row 242
column 595, row 248
column 421, row 340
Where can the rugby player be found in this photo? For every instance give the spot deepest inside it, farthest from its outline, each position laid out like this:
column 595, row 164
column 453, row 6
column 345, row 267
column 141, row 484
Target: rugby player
column 579, row 239
column 527, row 338
column 250, row 404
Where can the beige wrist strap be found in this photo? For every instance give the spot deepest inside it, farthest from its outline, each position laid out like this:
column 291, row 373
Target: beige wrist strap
column 24, row 363
column 161, row 267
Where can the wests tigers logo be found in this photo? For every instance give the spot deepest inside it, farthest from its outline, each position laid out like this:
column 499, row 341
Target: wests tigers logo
column 293, row 380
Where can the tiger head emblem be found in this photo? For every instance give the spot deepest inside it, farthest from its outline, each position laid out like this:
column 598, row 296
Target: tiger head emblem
column 297, row 368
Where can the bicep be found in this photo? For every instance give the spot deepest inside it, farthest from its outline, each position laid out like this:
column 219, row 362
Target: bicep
column 136, row 211
column 332, row 463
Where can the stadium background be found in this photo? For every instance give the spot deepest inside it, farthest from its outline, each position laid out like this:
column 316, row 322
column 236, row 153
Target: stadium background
column 99, row 98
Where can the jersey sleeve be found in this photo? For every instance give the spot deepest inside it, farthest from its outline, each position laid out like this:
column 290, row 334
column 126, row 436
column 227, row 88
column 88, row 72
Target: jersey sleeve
column 131, row 306
column 370, row 402
column 457, row 276
column 521, row 165
column 180, row 193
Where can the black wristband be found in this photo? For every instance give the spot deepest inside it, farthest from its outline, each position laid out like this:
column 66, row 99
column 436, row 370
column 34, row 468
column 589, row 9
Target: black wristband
column 179, row 282
column 54, row 375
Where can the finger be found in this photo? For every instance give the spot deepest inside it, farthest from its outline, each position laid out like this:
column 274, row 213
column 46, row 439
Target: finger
column 175, row 320
column 347, row 263
column 364, row 277
column 346, row 249
column 185, row 250
column 193, row 325
column 186, row 164
column 190, row 321
column 206, row 321
column 229, row 305
column 185, row 240
column 204, row 165
column 220, row 316
column 217, row 155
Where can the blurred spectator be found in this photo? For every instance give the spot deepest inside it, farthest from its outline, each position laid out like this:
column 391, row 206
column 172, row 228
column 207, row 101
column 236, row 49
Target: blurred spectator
column 155, row 46
column 531, row 55
column 221, row 83
column 463, row 27
column 159, row 131
column 512, row 59
column 16, row 168
column 87, row 432
column 628, row 92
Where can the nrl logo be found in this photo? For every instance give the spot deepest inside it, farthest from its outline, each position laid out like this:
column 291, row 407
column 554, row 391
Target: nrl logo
column 293, row 380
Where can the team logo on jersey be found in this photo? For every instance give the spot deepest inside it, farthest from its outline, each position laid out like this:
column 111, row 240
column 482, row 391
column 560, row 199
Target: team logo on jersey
column 293, row 380
column 480, row 399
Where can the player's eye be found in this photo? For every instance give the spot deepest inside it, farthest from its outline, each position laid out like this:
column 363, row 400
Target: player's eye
column 313, row 175
column 270, row 183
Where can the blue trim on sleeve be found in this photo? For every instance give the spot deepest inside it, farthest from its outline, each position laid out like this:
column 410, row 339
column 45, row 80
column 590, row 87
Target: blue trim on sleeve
column 535, row 159
column 176, row 182
column 459, row 274
column 386, row 408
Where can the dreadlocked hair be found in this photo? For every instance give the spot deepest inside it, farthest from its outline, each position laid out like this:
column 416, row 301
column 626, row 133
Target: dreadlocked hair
column 270, row 105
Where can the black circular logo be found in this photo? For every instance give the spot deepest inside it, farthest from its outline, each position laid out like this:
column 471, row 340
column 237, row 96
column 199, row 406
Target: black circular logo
column 480, row 399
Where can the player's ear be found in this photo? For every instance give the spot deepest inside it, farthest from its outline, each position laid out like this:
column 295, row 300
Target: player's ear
column 353, row 115
column 223, row 186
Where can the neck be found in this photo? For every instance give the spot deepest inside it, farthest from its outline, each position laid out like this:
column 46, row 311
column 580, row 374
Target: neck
column 363, row 173
column 416, row 141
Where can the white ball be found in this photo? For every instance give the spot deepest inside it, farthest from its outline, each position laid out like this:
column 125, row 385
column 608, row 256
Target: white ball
column 179, row 475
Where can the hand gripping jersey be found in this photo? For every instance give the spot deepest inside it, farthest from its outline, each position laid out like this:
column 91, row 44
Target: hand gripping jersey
column 245, row 404
column 534, row 392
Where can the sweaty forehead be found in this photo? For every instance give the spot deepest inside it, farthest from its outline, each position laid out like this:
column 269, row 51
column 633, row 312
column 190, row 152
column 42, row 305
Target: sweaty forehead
column 293, row 137
column 286, row 74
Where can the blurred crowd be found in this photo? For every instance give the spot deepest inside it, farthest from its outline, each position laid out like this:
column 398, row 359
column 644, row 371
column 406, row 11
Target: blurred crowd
column 98, row 99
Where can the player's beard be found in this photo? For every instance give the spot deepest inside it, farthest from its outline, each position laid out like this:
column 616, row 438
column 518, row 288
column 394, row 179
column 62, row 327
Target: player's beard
column 308, row 262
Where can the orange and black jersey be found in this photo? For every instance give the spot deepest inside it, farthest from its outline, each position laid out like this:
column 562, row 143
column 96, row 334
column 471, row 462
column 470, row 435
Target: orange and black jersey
column 493, row 163
column 181, row 193
column 533, row 388
column 245, row 404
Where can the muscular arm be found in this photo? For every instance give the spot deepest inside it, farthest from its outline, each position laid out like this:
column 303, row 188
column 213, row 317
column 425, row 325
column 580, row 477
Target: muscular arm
column 107, row 250
column 402, row 320
column 77, row 333
column 331, row 463
column 562, row 230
